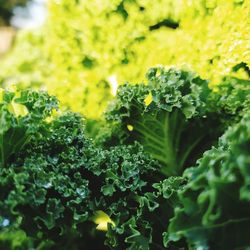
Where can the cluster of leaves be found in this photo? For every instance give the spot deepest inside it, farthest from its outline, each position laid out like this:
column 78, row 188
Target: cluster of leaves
column 162, row 116
column 53, row 184
column 20, row 114
column 61, row 189
column 206, row 199
column 232, row 97
column 104, row 47
column 215, row 203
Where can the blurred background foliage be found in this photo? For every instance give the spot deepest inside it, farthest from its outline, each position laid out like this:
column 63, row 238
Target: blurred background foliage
column 6, row 10
column 86, row 48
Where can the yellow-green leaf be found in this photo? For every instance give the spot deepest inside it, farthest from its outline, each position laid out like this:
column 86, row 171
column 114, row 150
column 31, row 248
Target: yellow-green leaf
column 1, row 94
column 102, row 219
column 148, row 99
column 17, row 109
column 54, row 114
column 12, row 88
column 130, row 127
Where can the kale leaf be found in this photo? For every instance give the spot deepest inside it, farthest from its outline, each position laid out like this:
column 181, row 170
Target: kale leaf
column 170, row 116
column 215, row 203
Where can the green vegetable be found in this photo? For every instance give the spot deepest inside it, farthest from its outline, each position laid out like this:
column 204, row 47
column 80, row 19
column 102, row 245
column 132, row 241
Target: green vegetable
column 60, row 189
column 21, row 115
column 215, row 203
column 143, row 220
column 232, row 98
column 170, row 116
column 58, row 181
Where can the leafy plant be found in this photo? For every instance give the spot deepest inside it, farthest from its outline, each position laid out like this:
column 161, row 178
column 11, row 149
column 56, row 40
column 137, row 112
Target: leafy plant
column 232, row 97
column 21, row 114
column 117, row 41
column 214, row 204
column 163, row 116
column 59, row 188
column 59, row 180
column 143, row 224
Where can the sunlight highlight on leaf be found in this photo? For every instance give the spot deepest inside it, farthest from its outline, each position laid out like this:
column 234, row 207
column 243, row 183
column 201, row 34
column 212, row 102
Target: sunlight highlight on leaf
column 17, row 109
column 130, row 127
column 1, row 94
column 148, row 99
column 102, row 219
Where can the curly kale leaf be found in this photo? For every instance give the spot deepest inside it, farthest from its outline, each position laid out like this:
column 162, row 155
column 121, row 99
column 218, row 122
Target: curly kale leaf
column 215, row 204
column 171, row 117
column 232, row 98
column 59, row 179
column 141, row 223
column 21, row 115
column 123, row 168
column 14, row 239
column 123, row 174
column 45, row 191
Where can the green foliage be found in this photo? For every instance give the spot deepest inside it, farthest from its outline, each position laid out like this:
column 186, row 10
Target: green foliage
column 143, row 222
column 21, row 115
column 60, row 189
column 58, row 179
column 232, row 97
column 47, row 192
column 214, row 210
column 16, row 240
column 163, row 114
column 85, row 44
